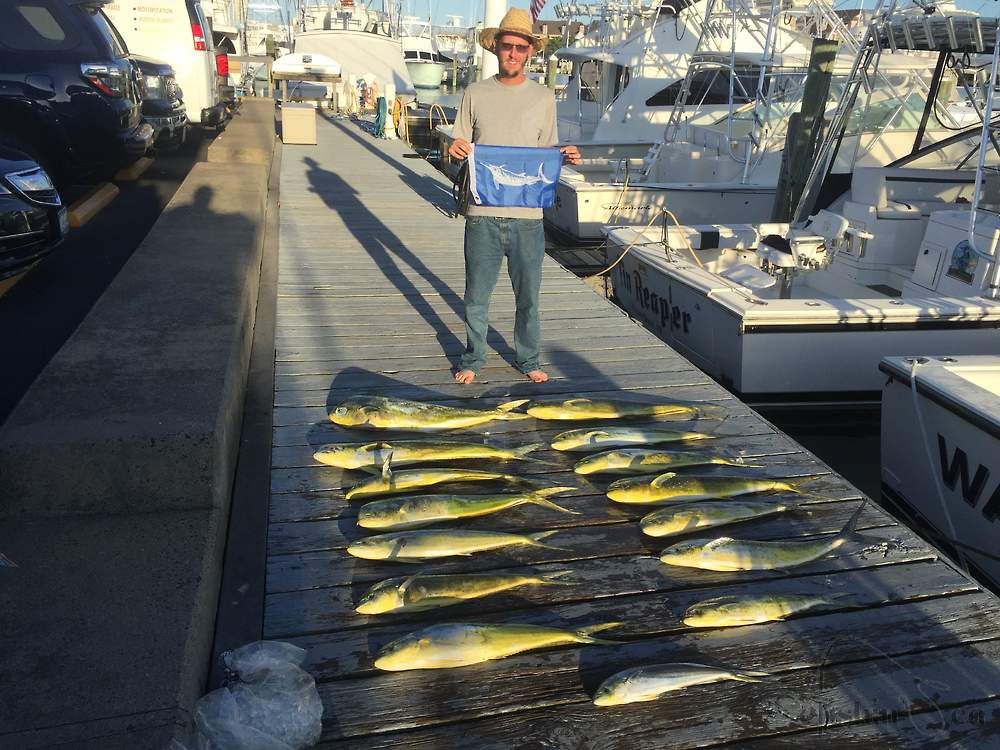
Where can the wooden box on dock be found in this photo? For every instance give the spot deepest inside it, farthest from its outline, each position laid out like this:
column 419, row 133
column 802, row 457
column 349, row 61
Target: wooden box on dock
column 298, row 123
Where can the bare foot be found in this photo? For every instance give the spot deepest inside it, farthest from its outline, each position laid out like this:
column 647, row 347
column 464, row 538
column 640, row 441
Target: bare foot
column 537, row 376
column 465, row 376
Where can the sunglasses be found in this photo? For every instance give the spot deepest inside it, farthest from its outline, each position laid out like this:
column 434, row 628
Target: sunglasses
column 521, row 49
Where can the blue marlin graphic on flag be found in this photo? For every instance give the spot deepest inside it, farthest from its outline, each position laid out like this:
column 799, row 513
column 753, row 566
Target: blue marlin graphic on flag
column 503, row 176
column 514, row 176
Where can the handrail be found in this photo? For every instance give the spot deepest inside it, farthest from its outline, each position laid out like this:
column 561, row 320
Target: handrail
column 991, row 257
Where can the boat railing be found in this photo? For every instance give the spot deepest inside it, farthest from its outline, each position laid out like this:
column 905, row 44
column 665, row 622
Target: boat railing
column 991, row 280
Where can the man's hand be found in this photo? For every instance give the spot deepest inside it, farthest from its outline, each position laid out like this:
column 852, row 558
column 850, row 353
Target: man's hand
column 571, row 154
column 459, row 149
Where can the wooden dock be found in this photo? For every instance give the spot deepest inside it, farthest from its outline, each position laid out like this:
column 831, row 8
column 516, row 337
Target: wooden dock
column 370, row 289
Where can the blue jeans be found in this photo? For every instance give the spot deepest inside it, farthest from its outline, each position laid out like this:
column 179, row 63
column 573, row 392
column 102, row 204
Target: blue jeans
column 487, row 240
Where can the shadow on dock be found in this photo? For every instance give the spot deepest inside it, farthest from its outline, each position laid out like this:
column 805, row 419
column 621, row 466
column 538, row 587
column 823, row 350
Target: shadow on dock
column 435, row 194
column 390, row 254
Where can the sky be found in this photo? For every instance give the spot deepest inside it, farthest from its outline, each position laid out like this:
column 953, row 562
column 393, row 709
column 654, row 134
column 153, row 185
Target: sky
column 439, row 10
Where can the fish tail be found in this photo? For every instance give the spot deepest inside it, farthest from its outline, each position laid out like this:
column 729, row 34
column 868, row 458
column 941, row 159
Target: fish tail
column 538, row 536
column 710, row 411
column 537, row 484
column 551, row 578
column 548, row 491
column 850, row 528
column 798, row 481
column 814, row 495
column 542, row 502
column 715, row 430
column 508, row 406
column 795, row 482
column 739, row 459
column 749, row 675
column 524, row 450
column 584, row 635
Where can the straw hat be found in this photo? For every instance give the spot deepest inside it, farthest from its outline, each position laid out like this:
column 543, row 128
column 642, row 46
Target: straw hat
column 517, row 21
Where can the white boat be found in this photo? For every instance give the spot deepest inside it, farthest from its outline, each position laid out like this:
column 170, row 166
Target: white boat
column 626, row 71
column 691, row 106
column 364, row 41
column 305, row 65
column 941, row 454
column 456, row 45
column 425, row 64
column 885, row 261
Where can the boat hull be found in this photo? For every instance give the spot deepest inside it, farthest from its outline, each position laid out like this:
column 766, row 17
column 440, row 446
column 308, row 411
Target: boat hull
column 361, row 55
column 771, row 351
column 956, row 422
column 425, row 74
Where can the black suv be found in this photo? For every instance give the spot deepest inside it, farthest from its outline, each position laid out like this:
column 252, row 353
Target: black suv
column 163, row 103
column 32, row 218
column 69, row 95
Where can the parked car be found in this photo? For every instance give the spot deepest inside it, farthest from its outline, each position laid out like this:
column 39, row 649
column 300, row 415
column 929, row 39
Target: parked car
column 32, row 218
column 179, row 32
column 163, row 102
column 69, row 95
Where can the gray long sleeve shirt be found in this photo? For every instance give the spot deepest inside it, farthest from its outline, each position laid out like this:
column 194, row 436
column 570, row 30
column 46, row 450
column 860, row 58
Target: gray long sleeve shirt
column 496, row 114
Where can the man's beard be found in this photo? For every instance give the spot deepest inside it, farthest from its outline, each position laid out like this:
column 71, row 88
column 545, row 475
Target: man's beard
column 516, row 72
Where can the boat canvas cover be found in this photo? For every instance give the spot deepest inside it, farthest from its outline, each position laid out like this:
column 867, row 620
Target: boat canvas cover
column 514, row 176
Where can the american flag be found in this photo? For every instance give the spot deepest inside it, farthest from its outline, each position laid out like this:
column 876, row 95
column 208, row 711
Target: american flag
column 536, row 9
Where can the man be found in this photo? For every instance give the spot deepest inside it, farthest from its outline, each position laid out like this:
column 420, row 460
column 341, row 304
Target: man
column 505, row 110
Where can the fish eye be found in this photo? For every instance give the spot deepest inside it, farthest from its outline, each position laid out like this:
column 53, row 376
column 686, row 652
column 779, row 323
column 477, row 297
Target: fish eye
column 340, row 411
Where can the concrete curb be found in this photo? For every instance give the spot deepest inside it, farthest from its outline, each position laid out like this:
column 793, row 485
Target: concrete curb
column 117, row 470
column 249, row 137
column 152, row 380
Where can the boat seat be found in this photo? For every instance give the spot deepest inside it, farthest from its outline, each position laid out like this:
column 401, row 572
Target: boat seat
column 749, row 276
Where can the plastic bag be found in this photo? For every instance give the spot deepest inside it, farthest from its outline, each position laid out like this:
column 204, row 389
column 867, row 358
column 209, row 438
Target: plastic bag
column 272, row 704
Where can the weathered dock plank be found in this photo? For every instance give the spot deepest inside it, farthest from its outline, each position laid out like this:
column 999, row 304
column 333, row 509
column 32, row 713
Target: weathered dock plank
column 370, row 302
column 331, row 610
column 811, row 688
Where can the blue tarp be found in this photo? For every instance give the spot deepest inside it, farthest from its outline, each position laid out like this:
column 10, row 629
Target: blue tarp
column 513, row 176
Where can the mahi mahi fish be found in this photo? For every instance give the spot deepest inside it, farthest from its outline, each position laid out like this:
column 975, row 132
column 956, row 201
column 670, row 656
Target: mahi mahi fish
column 424, row 510
column 586, row 408
column 649, row 460
column 370, row 456
column 384, row 413
column 460, row 644
column 640, row 684
column 672, row 487
column 588, row 439
column 681, row 518
column 419, row 592
column 750, row 609
column 727, row 554
column 396, row 482
column 426, row 544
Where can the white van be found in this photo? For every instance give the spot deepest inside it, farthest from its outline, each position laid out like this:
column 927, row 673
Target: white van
column 177, row 32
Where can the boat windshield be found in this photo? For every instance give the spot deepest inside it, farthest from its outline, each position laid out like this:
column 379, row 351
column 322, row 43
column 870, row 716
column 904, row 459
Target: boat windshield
column 958, row 152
